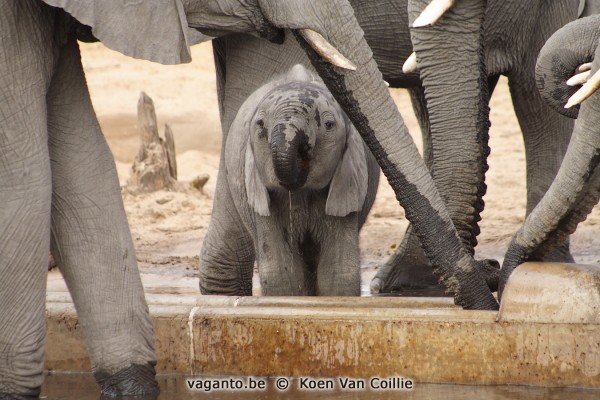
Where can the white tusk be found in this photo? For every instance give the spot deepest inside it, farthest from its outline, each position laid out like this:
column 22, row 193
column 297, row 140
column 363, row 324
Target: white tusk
column 410, row 65
column 586, row 91
column 387, row 84
column 326, row 49
column 579, row 79
column 584, row 67
column 433, row 12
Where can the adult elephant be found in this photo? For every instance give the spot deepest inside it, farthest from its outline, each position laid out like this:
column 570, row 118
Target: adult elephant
column 245, row 63
column 59, row 185
column 460, row 57
column 452, row 65
column 576, row 189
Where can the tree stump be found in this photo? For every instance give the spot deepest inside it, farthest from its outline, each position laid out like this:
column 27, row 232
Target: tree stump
column 155, row 167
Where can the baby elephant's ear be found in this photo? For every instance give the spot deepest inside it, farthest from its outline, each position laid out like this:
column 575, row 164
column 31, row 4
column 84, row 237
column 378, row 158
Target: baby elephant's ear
column 348, row 187
column 258, row 197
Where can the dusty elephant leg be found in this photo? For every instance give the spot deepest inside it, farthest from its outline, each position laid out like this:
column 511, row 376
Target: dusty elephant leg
column 91, row 241
column 281, row 266
column 26, row 65
column 546, row 135
column 227, row 257
column 338, row 273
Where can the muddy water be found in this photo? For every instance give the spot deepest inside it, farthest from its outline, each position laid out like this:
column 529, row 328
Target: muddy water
column 83, row 387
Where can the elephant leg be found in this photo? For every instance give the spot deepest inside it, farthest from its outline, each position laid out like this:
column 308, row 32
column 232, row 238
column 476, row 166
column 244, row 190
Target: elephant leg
column 338, row 272
column 546, row 135
column 91, row 241
column 227, row 257
column 281, row 264
column 26, row 64
column 419, row 104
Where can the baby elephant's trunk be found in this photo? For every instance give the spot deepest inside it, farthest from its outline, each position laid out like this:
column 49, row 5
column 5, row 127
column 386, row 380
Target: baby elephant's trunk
column 290, row 150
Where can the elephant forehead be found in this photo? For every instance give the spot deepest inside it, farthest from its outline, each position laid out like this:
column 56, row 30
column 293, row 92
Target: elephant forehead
column 304, row 96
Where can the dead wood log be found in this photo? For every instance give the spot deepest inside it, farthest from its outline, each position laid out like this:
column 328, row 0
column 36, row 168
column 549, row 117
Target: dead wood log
column 155, row 166
column 170, row 147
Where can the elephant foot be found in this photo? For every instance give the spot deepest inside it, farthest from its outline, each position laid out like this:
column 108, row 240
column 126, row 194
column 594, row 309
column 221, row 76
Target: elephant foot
column 419, row 280
column 407, row 279
column 11, row 396
column 490, row 269
column 136, row 382
column 210, row 287
column 560, row 253
column 408, row 272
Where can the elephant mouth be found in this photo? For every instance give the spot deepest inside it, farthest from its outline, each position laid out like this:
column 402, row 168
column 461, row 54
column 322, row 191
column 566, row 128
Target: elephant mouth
column 297, row 179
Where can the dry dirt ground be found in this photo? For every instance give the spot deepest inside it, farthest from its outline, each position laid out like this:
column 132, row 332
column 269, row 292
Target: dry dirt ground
column 168, row 227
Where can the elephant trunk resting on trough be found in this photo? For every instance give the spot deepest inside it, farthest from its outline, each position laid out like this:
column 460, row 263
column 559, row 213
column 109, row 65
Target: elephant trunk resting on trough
column 303, row 182
column 570, row 58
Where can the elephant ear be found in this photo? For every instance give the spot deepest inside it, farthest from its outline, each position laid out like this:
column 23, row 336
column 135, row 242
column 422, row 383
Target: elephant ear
column 258, row 197
column 348, row 188
column 588, row 7
column 154, row 30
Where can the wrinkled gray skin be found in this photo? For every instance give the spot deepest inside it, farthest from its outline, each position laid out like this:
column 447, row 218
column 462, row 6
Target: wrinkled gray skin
column 467, row 49
column 576, row 189
column 457, row 146
column 245, row 63
column 60, row 189
column 303, row 182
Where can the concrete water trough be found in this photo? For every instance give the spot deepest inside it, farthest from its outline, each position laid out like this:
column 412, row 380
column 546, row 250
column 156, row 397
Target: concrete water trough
column 547, row 333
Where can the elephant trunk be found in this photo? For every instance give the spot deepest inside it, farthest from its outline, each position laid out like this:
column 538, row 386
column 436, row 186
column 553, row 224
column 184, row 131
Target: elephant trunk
column 366, row 100
column 290, row 157
column 576, row 188
column 572, row 45
column 450, row 60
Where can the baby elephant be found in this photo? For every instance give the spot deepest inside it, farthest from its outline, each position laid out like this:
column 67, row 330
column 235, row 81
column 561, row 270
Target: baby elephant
column 302, row 181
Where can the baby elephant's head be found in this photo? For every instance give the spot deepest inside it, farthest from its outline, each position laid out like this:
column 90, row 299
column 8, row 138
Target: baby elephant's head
column 301, row 139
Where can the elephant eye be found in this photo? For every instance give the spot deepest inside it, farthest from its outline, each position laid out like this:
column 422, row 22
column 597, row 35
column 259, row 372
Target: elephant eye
column 260, row 123
column 329, row 124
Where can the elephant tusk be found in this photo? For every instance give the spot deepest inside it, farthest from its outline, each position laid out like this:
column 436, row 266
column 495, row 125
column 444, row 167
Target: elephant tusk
column 326, row 49
column 410, row 65
column 584, row 67
column 433, row 12
column 579, row 79
column 586, row 91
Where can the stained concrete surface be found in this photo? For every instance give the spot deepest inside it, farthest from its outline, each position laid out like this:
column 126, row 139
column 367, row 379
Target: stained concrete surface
column 426, row 339
column 83, row 387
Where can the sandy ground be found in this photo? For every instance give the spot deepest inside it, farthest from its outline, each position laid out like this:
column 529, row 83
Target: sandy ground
column 168, row 227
